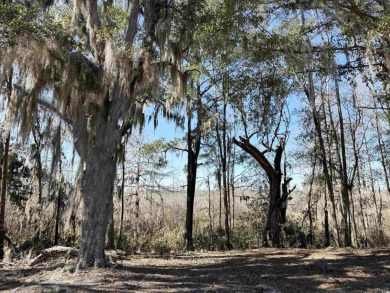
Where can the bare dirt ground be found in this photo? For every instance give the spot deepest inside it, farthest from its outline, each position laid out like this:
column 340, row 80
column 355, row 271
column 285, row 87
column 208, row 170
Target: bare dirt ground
column 260, row 270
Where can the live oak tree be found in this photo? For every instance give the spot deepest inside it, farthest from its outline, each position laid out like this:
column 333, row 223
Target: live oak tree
column 94, row 64
column 86, row 63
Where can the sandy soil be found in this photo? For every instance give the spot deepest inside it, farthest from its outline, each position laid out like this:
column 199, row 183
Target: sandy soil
column 260, row 270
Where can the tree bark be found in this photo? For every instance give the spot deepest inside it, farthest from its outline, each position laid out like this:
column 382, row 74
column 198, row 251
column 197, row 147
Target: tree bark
column 193, row 149
column 122, row 194
column 98, row 185
column 4, row 174
column 272, row 233
column 3, row 193
column 58, row 211
column 219, row 179
column 98, row 150
column 37, row 135
column 309, row 202
column 209, row 209
column 137, row 198
column 111, row 234
column 326, row 222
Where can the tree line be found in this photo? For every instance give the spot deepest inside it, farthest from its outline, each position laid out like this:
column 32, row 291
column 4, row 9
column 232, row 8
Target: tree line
column 224, row 72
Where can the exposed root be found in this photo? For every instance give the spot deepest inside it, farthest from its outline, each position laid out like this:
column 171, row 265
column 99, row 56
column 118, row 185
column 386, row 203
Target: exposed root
column 55, row 251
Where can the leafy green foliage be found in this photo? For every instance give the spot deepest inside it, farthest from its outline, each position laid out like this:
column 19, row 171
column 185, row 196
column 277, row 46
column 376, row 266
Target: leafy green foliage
column 114, row 25
column 19, row 177
column 17, row 19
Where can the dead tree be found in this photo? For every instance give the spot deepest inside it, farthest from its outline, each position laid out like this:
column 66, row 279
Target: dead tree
column 278, row 193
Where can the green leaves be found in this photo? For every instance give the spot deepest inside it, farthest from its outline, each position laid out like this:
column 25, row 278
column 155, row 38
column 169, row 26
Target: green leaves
column 114, row 25
column 17, row 20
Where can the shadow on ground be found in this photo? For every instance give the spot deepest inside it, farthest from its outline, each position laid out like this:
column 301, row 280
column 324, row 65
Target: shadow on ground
column 264, row 270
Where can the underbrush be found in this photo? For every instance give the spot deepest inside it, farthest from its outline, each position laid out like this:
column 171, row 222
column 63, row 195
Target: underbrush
column 159, row 229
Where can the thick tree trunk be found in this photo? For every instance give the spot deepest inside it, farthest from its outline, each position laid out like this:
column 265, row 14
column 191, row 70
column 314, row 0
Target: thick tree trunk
column 72, row 220
column 274, row 219
column 272, row 233
column 98, row 186
column 111, row 234
column 4, row 174
column 97, row 148
column 3, row 180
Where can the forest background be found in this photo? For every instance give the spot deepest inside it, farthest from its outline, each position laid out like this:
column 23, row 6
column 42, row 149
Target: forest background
column 160, row 126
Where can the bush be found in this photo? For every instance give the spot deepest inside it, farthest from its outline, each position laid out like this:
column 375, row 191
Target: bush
column 295, row 232
column 248, row 231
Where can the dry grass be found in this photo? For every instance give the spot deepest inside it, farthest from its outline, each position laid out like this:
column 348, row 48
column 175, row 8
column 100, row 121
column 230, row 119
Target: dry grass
column 263, row 270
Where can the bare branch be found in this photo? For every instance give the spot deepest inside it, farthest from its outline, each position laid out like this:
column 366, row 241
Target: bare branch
column 55, row 110
column 45, row 104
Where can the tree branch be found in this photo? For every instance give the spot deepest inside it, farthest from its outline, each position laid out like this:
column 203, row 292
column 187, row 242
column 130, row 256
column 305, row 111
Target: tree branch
column 55, row 110
column 132, row 23
column 245, row 145
column 45, row 104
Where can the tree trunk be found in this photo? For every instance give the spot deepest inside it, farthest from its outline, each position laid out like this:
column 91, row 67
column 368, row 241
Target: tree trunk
column 58, row 210
column 233, row 195
column 225, row 175
column 309, row 202
column 193, row 148
column 383, row 153
column 272, row 233
column 310, row 93
column 330, row 132
column 374, row 195
column 274, row 219
column 210, row 214
column 219, row 179
column 97, row 148
column 343, row 165
column 191, row 184
column 59, row 200
column 122, row 194
column 3, row 193
column 137, row 199
column 111, row 234
column 4, row 175
column 326, row 222
column 222, row 155
column 37, row 136
column 98, row 186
